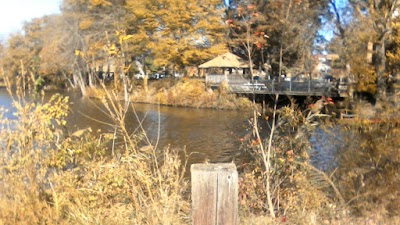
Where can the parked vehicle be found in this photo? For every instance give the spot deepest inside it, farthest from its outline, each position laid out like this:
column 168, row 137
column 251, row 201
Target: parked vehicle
column 138, row 76
column 156, row 76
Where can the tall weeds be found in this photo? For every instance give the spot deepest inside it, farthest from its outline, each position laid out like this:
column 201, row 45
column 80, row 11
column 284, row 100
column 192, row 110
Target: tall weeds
column 362, row 188
column 51, row 176
column 369, row 172
column 280, row 180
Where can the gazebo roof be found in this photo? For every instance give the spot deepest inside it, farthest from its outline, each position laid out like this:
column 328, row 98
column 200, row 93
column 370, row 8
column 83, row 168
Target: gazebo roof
column 227, row 60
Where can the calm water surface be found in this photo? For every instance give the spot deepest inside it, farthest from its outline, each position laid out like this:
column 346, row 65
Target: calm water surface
column 205, row 134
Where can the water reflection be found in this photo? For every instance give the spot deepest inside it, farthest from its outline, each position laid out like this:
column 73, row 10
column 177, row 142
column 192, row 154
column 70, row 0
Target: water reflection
column 324, row 144
column 205, row 134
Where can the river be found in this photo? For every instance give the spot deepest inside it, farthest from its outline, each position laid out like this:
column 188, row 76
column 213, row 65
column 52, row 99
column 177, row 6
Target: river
column 206, row 134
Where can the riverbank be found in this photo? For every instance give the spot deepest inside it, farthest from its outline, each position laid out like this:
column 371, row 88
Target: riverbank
column 77, row 182
column 182, row 93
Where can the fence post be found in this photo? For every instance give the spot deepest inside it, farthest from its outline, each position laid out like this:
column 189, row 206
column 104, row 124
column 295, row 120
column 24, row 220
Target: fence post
column 214, row 194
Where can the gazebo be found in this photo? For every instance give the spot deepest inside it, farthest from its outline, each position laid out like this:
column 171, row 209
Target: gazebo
column 225, row 63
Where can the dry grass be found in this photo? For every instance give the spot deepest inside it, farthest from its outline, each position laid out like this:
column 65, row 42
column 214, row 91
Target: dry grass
column 369, row 172
column 193, row 93
column 185, row 92
column 363, row 189
column 48, row 176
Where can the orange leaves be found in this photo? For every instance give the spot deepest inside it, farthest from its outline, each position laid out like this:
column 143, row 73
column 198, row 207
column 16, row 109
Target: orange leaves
column 250, row 7
column 329, row 101
column 176, row 32
column 290, row 155
column 229, row 21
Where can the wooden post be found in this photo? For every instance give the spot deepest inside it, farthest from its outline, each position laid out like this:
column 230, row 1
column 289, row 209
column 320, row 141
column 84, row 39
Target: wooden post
column 214, row 194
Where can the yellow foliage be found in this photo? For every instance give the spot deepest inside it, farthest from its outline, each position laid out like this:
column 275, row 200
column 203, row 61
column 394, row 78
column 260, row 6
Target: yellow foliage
column 365, row 77
column 189, row 29
column 79, row 53
column 112, row 50
column 85, row 24
column 100, row 3
column 393, row 55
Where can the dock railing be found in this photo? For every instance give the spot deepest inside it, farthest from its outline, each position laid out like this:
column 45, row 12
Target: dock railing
column 238, row 84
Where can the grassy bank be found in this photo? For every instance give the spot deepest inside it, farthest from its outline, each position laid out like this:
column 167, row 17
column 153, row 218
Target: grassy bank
column 182, row 93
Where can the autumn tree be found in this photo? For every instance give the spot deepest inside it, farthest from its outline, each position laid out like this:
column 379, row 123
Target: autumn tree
column 379, row 15
column 351, row 35
column 21, row 57
column 177, row 33
column 338, row 15
column 361, row 70
column 393, row 53
column 92, row 22
column 370, row 24
column 54, row 61
column 247, row 33
column 2, row 50
column 292, row 27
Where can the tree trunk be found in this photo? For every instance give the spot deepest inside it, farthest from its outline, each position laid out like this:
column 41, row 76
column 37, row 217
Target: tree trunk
column 79, row 81
column 142, row 71
column 380, row 68
column 280, row 62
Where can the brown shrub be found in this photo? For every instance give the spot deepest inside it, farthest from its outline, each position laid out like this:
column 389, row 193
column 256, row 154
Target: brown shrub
column 369, row 163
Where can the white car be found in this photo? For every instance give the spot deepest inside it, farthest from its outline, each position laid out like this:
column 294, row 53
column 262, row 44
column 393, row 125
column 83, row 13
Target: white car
column 138, row 76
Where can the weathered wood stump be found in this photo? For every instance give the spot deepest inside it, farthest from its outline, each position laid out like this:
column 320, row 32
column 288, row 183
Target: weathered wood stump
column 214, row 194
